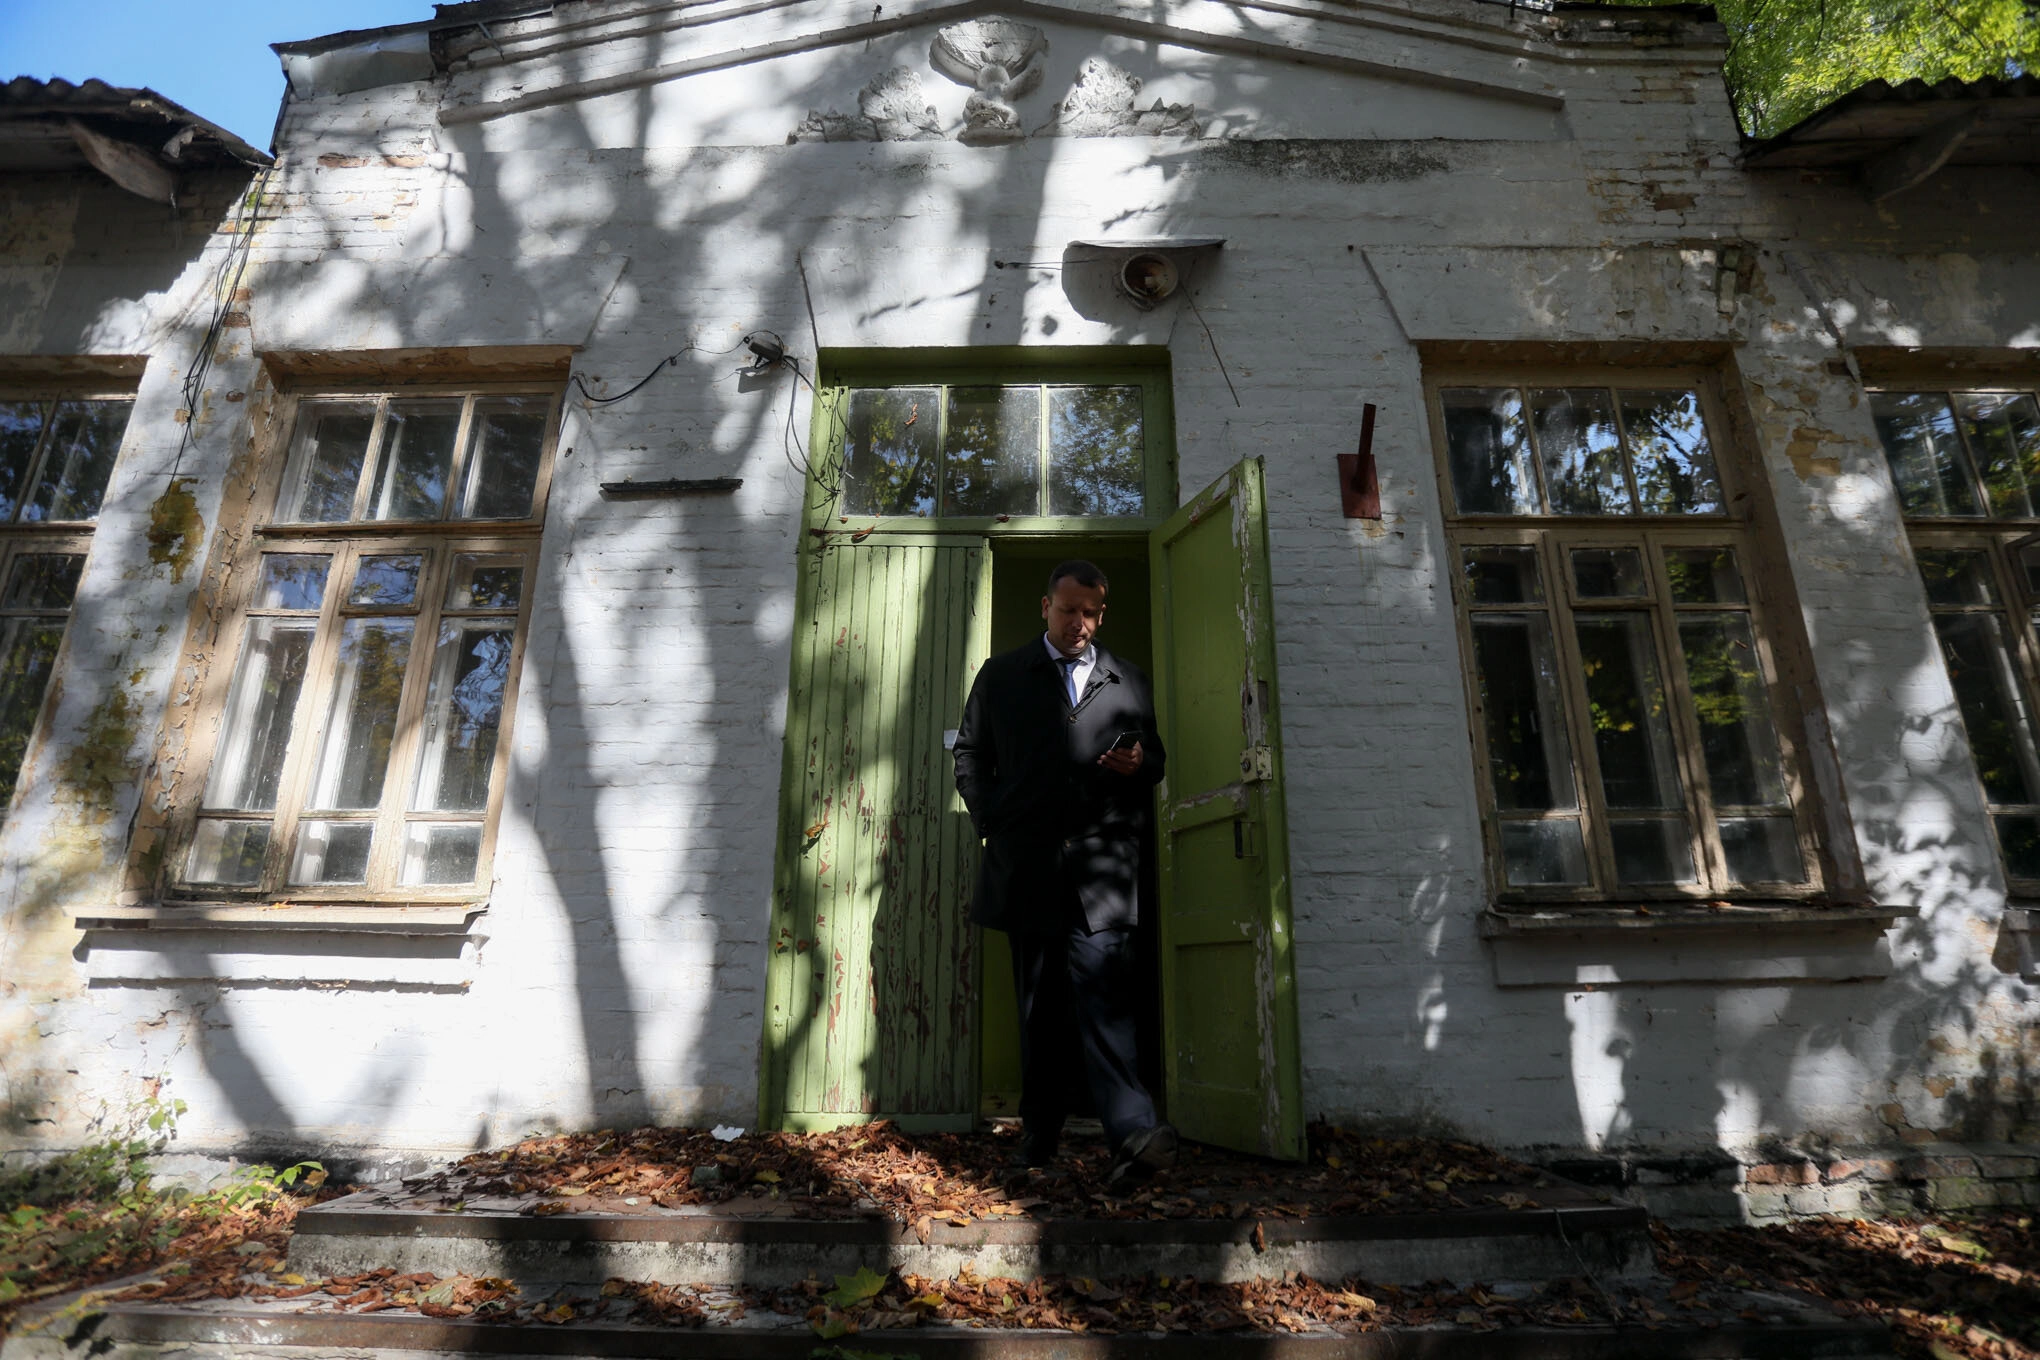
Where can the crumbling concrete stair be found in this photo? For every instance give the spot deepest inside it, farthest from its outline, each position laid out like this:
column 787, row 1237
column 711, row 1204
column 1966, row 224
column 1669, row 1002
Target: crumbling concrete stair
column 1573, row 1232
column 1570, row 1233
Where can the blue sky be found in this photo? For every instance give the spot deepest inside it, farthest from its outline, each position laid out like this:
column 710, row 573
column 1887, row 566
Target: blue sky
column 212, row 56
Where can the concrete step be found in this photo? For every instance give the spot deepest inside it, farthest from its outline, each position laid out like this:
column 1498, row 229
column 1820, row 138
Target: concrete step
column 1571, row 1233
column 241, row 1329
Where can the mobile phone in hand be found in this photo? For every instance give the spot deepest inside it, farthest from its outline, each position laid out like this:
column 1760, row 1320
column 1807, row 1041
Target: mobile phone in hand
column 1125, row 741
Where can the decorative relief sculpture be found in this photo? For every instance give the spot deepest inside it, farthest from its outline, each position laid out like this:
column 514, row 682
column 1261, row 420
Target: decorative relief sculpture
column 1101, row 104
column 892, row 108
column 998, row 59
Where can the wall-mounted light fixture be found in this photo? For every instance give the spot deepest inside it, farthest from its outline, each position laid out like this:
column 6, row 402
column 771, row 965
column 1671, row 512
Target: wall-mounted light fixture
column 1146, row 271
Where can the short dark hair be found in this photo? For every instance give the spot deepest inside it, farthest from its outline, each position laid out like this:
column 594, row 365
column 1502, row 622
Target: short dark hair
column 1082, row 572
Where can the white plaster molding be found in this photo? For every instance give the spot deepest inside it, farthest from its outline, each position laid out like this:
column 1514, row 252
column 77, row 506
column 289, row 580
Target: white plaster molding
column 1101, row 104
column 1642, row 293
column 891, row 108
column 1325, row 37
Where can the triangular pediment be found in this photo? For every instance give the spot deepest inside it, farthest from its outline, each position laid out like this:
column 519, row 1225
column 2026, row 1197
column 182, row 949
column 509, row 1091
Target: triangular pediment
column 720, row 73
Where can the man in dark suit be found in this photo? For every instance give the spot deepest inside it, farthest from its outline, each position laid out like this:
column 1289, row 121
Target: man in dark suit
column 1056, row 760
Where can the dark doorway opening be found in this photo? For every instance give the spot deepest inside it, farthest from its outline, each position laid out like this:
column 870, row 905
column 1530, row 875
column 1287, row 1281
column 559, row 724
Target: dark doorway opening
column 1020, row 571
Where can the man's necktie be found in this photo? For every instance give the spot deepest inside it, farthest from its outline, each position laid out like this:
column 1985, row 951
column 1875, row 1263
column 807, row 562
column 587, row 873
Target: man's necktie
column 1069, row 668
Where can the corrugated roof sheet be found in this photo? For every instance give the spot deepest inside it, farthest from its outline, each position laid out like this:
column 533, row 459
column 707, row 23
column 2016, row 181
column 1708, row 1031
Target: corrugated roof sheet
column 1881, row 117
column 34, row 134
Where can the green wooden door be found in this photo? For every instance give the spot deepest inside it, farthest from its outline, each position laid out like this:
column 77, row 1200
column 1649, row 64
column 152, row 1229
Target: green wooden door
column 871, row 1005
column 1228, row 982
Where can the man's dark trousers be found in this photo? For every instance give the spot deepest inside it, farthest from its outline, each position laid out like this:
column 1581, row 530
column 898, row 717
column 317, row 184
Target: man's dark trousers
column 1062, row 874
column 1076, row 988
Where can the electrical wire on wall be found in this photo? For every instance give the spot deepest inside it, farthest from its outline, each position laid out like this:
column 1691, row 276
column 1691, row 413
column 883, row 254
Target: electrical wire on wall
column 590, row 400
column 768, row 352
column 226, row 283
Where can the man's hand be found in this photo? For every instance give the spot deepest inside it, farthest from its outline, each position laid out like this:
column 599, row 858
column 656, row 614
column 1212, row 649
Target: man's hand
column 1124, row 760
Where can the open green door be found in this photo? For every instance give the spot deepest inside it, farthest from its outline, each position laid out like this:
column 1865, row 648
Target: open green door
column 871, row 1006
column 1229, row 1027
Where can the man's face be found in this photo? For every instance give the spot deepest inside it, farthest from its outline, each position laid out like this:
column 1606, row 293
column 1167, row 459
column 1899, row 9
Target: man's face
column 1073, row 614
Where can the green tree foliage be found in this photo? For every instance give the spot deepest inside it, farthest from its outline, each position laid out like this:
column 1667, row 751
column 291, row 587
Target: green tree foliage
column 1788, row 58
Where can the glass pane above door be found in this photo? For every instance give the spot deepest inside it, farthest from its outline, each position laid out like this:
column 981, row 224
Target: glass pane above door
column 995, row 451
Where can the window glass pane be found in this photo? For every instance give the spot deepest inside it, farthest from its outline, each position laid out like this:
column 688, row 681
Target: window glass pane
column 991, row 462
column 441, row 852
column 1609, row 574
column 1651, row 850
column 416, row 459
column 463, row 714
column 1669, row 452
column 362, row 721
column 1502, row 575
column 332, row 852
column 502, row 472
column 227, row 853
column 1738, row 743
column 1704, row 576
column 332, row 446
column 1489, row 451
column 2019, row 841
column 84, row 441
column 1633, row 740
column 1096, row 452
column 485, row 581
column 21, row 424
column 1956, row 576
column 1927, row 461
column 390, row 581
column 1985, row 680
column 43, row 581
column 2004, row 434
column 260, row 708
column 1529, row 758
column 1761, row 850
column 1549, row 852
column 889, row 455
column 292, row 581
column 28, row 653
column 1580, row 450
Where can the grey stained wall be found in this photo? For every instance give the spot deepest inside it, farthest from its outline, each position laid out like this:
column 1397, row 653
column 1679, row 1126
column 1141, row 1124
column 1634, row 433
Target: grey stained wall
column 1423, row 177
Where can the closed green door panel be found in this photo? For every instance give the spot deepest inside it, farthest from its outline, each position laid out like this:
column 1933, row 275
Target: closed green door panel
column 1228, row 975
column 871, row 1004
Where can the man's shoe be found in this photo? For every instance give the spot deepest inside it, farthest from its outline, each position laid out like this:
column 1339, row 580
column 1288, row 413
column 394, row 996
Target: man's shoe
column 1034, row 1152
column 1143, row 1153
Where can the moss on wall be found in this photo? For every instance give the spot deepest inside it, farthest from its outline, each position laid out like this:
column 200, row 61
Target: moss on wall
column 175, row 528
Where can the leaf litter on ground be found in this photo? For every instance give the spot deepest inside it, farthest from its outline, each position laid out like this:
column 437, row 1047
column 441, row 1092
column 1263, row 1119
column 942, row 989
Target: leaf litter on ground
column 927, row 1180
column 1953, row 1287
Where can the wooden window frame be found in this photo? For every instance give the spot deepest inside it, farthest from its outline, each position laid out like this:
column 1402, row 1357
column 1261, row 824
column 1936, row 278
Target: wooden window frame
column 2000, row 540
column 347, row 542
column 73, row 537
column 1740, row 527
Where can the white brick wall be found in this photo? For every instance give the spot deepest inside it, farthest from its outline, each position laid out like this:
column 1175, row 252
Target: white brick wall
column 618, row 973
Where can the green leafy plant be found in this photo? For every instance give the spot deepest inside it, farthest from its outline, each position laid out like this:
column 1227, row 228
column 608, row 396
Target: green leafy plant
column 95, row 1212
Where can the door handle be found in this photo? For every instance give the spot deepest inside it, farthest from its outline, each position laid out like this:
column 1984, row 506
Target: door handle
column 1243, row 839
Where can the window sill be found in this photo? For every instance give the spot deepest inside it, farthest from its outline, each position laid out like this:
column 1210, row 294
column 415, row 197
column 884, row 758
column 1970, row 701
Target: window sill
column 371, row 918
column 1757, row 944
column 416, row 947
column 1649, row 918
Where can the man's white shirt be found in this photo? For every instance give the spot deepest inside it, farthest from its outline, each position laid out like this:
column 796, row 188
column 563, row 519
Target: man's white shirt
column 1080, row 674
